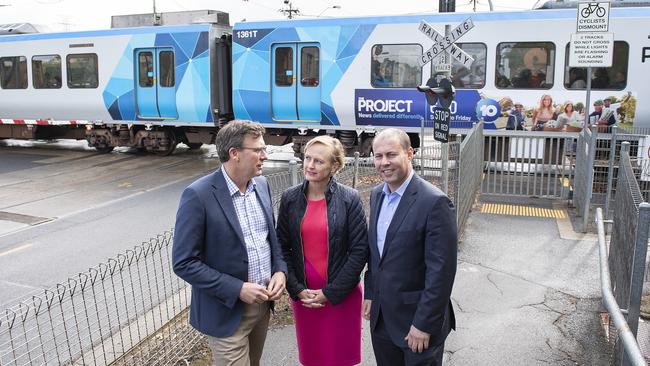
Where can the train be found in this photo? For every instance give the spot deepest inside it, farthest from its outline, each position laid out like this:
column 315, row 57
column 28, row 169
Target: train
column 153, row 87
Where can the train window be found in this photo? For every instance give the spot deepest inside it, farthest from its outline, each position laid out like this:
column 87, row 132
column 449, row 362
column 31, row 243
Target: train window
column 13, row 72
column 474, row 77
column 525, row 65
column 613, row 78
column 145, row 69
column 395, row 66
column 284, row 66
column 309, row 63
column 166, row 65
column 82, row 70
column 46, row 72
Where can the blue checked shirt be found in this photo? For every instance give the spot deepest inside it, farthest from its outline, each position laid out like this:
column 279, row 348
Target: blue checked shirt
column 256, row 231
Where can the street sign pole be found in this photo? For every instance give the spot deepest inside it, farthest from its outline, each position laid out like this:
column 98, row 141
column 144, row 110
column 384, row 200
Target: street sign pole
column 439, row 87
column 588, row 98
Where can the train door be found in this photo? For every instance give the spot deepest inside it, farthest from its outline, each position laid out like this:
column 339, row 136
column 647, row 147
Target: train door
column 295, row 90
column 155, row 83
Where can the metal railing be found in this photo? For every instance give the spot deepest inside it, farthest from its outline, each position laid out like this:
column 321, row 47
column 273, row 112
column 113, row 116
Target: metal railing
column 623, row 332
column 584, row 175
column 532, row 164
column 469, row 174
column 628, row 243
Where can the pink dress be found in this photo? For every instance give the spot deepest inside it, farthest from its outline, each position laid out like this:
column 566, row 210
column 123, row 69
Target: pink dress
column 331, row 335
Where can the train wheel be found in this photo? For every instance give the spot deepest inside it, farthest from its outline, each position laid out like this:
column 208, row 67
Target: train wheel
column 366, row 146
column 105, row 149
column 167, row 149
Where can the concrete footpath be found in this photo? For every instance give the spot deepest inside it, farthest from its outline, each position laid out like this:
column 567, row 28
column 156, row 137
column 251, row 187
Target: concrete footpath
column 527, row 292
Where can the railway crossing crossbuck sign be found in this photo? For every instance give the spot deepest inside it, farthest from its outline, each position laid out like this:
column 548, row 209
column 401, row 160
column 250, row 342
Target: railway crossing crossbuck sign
column 446, row 43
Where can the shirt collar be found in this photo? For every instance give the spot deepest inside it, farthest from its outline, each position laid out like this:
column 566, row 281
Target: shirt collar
column 232, row 187
column 402, row 188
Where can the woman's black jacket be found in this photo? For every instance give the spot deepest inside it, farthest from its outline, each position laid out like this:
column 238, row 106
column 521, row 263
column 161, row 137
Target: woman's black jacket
column 347, row 239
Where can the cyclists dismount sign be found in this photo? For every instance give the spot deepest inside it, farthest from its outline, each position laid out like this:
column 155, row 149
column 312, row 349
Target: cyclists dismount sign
column 593, row 17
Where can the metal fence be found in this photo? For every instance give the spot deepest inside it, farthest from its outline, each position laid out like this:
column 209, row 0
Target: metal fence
column 584, row 175
column 628, row 247
column 525, row 163
column 469, row 174
column 98, row 316
column 132, row 309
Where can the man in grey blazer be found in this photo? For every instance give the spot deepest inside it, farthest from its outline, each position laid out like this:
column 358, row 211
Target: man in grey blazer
column 225, row 247
column 412, row 263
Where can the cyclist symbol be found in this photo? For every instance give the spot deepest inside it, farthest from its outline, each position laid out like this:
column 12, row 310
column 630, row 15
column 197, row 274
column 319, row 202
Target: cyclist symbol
column 591, row 8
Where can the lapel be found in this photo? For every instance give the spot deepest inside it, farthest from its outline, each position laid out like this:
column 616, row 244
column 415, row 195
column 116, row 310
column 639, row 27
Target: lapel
column 265, row 201
column 222, row 194
column 377, row 198
column 402, row 211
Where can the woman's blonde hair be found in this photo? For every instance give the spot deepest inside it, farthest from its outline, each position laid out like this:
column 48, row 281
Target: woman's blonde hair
column 550, row 105
column 337, row 153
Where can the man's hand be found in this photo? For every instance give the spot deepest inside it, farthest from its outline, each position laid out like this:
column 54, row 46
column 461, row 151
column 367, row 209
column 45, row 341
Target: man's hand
column 252, row 293
column 365, row 309
column 276, row 285
column 417, row 340
column 315, row 299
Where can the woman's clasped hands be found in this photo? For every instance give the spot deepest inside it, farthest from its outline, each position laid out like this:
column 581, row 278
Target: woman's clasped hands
column 313, row 299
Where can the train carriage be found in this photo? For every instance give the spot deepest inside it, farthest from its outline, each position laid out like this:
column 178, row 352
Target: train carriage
column 152, row 87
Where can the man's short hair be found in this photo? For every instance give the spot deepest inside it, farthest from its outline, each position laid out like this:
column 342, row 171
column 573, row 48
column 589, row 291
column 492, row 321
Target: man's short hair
column 232, row 136
column 398, row 134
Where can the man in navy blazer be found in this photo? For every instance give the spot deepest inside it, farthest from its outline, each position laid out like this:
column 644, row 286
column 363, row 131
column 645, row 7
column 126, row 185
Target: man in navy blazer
column 225, row 246
column 412, row 263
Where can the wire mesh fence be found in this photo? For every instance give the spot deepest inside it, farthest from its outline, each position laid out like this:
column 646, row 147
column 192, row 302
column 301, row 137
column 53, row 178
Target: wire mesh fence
column 133, row 310
column 627, row 250
column 97, row 316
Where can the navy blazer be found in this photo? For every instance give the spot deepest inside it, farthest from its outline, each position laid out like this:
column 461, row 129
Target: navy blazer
column 411, row 283
column 209, row 252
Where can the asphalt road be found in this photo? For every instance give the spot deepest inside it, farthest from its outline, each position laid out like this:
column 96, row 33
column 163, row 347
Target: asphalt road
column 65, row 208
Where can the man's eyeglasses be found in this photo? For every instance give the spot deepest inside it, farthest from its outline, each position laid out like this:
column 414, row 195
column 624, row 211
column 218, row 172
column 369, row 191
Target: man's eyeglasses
column 257, row 150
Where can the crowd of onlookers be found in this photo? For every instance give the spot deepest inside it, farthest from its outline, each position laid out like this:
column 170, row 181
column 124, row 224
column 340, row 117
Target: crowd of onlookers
column 567, row 116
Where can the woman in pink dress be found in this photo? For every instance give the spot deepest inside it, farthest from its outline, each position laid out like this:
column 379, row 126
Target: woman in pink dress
column 324, row 239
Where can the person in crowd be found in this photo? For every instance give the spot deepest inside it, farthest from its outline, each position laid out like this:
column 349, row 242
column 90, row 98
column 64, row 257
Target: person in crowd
column 523, row 78
column 516, row 118
column 609, row 107
column 543, row 113
column 412, row 263
column 577, row 79
column 323, row 234
column 568, row 117
column 604, row 119
column 619, row 81
column 225, row 246
column 600, row 79
column 382, row 79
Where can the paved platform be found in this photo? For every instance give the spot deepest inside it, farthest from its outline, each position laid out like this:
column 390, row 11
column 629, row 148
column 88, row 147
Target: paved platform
column 526, row 293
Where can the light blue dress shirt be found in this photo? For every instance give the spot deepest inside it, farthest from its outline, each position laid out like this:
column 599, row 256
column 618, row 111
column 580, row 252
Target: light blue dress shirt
column 387, row 210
